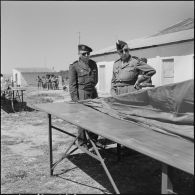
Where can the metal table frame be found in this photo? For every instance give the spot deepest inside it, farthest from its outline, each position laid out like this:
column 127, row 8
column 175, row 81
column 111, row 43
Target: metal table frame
column 166, row 184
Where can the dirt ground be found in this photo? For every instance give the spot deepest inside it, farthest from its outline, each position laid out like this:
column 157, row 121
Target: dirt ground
column 25, row 158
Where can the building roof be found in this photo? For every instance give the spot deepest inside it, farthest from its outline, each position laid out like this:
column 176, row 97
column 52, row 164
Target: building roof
column 154, row 40
column 182, row 25
column 32, row 70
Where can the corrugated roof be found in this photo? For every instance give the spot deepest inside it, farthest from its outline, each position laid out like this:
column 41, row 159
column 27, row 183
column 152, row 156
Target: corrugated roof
column 34, row 70
column 182, row 25
column 159, row 39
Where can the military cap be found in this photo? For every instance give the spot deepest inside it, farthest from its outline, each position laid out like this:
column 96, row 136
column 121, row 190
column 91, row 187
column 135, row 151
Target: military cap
column 84, row 48
column 120, row 44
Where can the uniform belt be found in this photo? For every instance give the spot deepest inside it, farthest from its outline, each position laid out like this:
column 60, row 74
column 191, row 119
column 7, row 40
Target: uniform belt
column 86, row 88
column 126, row 82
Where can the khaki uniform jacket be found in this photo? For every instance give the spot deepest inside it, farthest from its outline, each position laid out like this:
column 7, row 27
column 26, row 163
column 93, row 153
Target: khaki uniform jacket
column 125, row 75
column 83, row 79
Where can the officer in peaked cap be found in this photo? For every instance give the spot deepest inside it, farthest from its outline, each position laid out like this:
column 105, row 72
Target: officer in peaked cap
column 83, row 77
column 84, row 48
column 126, row 71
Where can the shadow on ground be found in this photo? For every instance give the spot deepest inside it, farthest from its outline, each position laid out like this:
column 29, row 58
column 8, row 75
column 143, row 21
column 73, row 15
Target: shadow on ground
column 133, row 173
column 128, row 173
column 6, row 105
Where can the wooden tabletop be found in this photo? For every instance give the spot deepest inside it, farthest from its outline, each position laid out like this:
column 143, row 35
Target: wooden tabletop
column 18, row 89
column 168, row 149
column 13, row 89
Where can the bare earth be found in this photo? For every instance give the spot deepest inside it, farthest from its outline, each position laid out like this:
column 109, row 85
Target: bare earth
column 25, row 158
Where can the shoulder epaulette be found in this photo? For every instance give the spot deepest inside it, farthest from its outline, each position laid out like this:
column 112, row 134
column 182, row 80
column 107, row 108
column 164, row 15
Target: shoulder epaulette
column 90, row 60
column 74, row 62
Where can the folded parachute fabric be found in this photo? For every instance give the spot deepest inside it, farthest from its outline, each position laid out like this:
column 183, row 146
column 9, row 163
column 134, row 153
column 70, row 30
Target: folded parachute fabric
column 167, row 109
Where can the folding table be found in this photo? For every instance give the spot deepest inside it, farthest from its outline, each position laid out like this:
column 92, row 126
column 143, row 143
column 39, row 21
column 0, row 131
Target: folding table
column 171, row 151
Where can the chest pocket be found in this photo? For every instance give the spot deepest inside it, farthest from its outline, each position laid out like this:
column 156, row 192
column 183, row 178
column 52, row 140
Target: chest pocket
column 130, row 68
column 82, row 74
column 128, row 74
column 116, row 70
column 91, row 78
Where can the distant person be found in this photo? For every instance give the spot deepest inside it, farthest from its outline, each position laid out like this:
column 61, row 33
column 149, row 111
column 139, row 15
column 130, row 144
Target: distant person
column 48, row 82
column 63, row 82
column 83, row 75
column 12, row 82
column 65, row 88
column 52, row 82
column 7, row 84
column 126, row 70
column 57, row 82
column 39, row 80
column 43, row 82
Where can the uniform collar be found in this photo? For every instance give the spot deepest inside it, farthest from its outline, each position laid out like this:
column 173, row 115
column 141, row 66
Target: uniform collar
column 124, row 64
column 83, row 65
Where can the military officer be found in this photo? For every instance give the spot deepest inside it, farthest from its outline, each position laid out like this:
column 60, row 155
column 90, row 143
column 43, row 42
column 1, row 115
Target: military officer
column 83, row 77
column 126, row 71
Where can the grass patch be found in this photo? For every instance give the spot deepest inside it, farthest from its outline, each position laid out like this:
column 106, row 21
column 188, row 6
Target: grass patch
column 12, row 142
column 12, row 177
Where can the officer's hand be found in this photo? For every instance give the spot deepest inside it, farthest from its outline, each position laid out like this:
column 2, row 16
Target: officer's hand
column 72, row 102
column 137, row 86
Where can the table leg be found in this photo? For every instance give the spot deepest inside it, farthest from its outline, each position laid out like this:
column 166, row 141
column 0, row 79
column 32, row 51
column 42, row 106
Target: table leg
column 12, row 100
column 50, row 146
column 22, row 100
column 166, row 185
column 66, row 154
column 103, row 164
column 118, row 152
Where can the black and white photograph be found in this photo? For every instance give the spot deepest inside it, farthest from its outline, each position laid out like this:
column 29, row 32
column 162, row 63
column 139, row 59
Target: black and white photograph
column 97, row 97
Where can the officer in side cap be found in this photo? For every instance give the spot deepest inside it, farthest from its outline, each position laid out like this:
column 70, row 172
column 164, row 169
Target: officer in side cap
column 83, row 77
column 128, row 71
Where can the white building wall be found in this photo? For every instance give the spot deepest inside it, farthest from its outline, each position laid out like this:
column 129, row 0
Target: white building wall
column 23, row 81
column 156, row 64
column 108, row 76
column 184, row 68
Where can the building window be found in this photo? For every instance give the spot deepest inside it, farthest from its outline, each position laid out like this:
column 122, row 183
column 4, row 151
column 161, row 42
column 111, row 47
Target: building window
column 167, row 71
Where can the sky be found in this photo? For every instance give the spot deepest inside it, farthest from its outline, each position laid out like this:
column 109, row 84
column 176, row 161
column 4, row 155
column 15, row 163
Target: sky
column 46, row 33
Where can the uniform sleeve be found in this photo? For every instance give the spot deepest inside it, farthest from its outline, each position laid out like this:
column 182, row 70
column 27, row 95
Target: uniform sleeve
column 96, row 79
column 73, row 89
column 113, row 88
column 145, row 70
